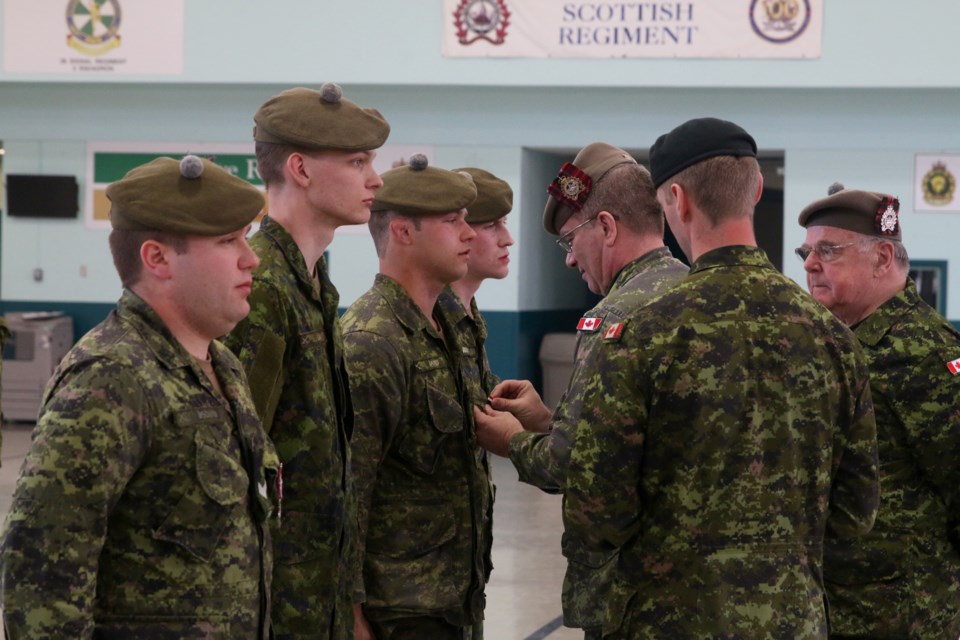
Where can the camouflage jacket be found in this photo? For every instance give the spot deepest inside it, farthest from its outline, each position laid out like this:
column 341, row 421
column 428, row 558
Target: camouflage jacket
column 470, row 336
column 421, row 486
column 903, row 578
column 292, row 349
column 541, row 459
column 723, row 431
column 140, row 507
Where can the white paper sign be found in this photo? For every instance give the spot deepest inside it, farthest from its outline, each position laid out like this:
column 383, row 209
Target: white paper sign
column 93, row 37
column 598, row 28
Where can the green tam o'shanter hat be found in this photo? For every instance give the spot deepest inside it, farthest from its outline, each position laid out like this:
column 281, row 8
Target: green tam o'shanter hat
column 319, row 120
column 866, row 212
column 417, row 189
column 192, row 196
column 494, row 196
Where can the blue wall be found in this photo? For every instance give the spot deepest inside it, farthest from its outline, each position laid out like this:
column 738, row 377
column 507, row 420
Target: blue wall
column 859, row 114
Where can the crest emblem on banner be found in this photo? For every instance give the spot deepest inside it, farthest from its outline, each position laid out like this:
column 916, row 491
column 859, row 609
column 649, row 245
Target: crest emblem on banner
column 779, row 21
column 939, row 185
column 94, row 25
column 481, row 20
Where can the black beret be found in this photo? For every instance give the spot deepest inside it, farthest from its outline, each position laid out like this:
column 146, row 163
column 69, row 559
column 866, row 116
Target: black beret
column 695, row 141
column 192, row 196
column 572, row 187
column 494, row 196
column 416, row 189
column 866, row 212
column 319, row 120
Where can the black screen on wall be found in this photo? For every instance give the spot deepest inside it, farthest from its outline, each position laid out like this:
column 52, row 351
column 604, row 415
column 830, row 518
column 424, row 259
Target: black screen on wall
column 42, row 196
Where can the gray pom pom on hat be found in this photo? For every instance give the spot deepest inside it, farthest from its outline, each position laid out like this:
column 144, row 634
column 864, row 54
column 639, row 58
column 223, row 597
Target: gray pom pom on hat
column 834, row 188
column 331, row 92
column 191, row 167
column 418, row 162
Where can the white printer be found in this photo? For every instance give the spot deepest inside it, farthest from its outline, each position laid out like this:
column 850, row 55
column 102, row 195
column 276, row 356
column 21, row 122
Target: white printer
column 38, row 342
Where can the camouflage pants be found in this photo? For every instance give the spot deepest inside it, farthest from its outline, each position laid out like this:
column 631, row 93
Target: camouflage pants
column 423, row 627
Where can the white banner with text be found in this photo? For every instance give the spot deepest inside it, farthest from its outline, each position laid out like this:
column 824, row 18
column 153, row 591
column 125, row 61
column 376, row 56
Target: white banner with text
column 597, row 29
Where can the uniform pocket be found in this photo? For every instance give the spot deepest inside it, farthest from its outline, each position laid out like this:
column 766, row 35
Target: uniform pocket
column 199, row 518
column 440, row 416
column 406, row 564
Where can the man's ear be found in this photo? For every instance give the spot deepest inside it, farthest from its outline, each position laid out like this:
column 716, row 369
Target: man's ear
column 759, row 190
column 401, row 230
column 684, row 204
column 883, row 258
column 608, row 223
column 296, row 170
column 155, row 257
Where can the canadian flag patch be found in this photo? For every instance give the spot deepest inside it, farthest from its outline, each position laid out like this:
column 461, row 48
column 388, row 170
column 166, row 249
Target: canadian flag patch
column 589, row 324
column 954, row 366
column 614, row 331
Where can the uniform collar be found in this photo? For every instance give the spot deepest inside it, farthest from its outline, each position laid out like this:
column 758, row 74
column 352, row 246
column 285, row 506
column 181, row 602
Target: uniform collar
column 632, row 268
column 403, row 306
column 732, row 256
column 167, row 349
column 871, row 330
column 294, row 257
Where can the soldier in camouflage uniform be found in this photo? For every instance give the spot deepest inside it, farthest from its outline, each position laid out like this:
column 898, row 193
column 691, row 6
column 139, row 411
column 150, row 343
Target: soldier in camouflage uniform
column 141, row 507
column 727, row 426
column 314, row 152
column 612, row 230
column 902, row 580
column 489, row 258
column 420, row 480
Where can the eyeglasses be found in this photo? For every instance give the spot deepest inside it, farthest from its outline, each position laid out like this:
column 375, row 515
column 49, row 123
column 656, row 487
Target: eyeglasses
column 826, row 252
column 565, row 241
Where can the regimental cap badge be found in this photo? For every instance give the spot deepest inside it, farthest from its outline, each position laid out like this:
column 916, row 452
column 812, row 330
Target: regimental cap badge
column 571, row 186
column 939, row 185
column 887, row 221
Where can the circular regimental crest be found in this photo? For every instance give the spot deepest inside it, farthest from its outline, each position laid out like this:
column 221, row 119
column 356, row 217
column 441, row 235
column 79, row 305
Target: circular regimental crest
column 93, row 22
column 779, row 21
column 481, row 16
column 939, row 185
column 571, row 186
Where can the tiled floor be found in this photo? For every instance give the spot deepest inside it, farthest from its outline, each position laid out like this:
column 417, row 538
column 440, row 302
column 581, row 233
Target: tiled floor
column 523, row 597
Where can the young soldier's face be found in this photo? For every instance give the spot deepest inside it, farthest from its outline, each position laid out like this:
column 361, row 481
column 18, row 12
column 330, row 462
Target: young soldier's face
column 342, row 185
column 212, row 280
column 490, row 250
column 444, row 244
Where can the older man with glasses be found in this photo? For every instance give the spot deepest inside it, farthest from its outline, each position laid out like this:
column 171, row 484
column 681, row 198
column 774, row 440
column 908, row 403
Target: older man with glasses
column 604, row 208
column 902, row 580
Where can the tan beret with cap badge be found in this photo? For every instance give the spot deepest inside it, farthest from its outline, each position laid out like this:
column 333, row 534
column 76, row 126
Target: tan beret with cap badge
column 192, row 196
column 494, row 196
column 321, row 120
column 571, row 188
column 417, row 189
column 866, row 212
